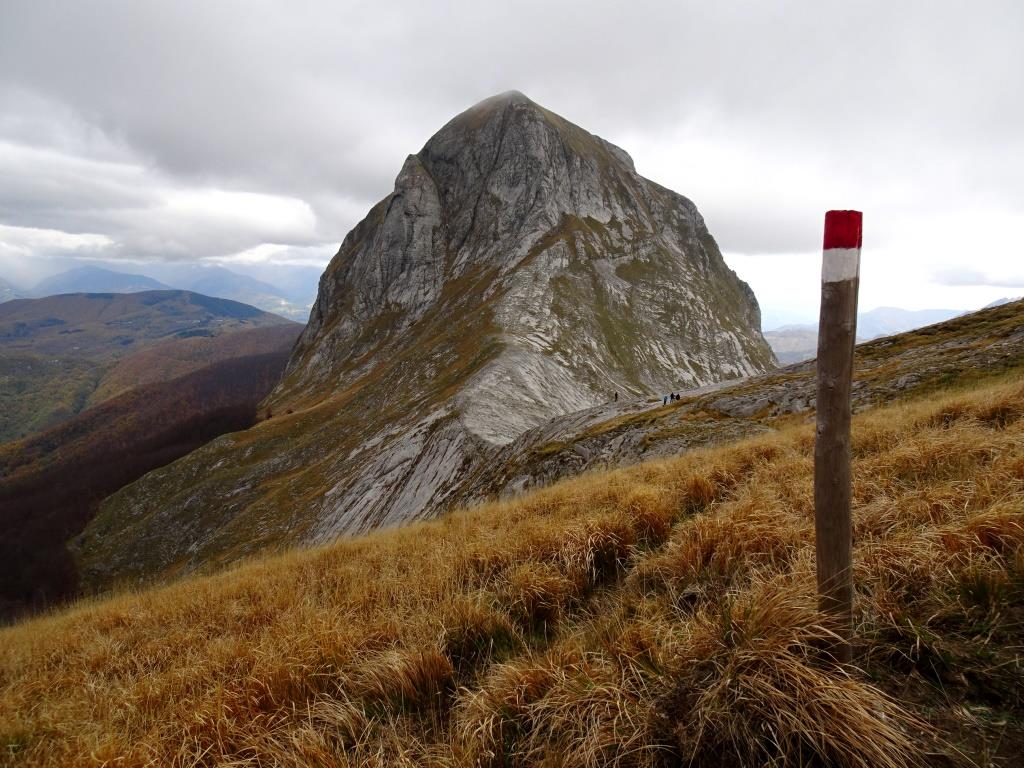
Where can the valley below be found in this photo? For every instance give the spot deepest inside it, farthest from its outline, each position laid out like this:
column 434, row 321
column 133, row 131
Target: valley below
column 99, row 389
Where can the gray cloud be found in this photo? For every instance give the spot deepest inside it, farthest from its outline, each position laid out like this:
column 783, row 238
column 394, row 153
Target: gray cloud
column 109, row 108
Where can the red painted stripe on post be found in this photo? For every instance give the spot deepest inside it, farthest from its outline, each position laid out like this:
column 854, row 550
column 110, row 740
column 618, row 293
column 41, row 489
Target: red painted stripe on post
column 843, row 229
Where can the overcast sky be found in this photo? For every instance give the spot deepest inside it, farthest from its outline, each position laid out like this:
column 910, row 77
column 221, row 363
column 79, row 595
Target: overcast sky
column 253, row 131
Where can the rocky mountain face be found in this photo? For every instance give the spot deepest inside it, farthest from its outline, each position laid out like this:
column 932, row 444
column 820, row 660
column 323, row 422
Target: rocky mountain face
column 986, row 343
column 521, row 270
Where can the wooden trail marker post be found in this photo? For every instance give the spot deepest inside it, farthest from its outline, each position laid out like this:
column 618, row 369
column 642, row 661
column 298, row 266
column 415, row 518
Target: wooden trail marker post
column 837, row 333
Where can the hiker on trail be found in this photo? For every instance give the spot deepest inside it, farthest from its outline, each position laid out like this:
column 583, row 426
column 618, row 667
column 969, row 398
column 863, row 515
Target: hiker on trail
column 616, row 397
column 664, row 400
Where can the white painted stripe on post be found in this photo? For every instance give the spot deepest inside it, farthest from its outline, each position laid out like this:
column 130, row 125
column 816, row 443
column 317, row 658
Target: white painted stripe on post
column 840, row 264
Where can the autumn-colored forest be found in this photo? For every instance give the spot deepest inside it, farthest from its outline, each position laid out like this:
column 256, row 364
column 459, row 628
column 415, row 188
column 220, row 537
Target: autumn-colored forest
column 51, row 484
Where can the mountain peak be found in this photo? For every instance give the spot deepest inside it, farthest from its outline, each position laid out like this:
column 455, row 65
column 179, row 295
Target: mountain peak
column 521, row 270
column 506, row 97
column 494, row 104
column 499, row 185
column 531, row 129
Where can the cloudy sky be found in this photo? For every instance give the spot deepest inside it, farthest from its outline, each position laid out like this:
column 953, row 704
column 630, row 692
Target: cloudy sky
column 255, row 132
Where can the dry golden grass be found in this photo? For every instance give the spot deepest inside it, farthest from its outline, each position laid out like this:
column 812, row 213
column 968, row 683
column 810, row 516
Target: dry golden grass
column 660, row 615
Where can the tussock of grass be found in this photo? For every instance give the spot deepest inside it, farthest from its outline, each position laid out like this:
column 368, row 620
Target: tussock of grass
column 659, row 615
column 758, row 694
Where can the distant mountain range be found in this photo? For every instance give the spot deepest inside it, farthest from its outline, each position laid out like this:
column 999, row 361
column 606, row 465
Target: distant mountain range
column 793, row 343
column 91, row 279
column 885, row 321
column 292, row 297
column 8, row 292
column 95, row 325
column 218, row 281
column 1002, row 301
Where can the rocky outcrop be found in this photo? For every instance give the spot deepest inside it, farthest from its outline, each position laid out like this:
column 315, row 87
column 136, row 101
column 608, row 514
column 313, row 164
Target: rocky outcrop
column 521, row 270
column 986, row 343
column 595, row 279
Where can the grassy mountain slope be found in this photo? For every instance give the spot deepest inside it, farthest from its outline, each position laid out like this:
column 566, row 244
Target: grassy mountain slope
column 38, row 392
column 178, row 357
column 260, row 492
column 657, row 615
column 110, row 325
column 264, row 481
column 52, row 483
column 66, row 353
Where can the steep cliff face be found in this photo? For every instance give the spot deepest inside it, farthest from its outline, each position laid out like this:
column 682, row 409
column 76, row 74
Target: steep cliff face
column 596, row 279
column 520, row 270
